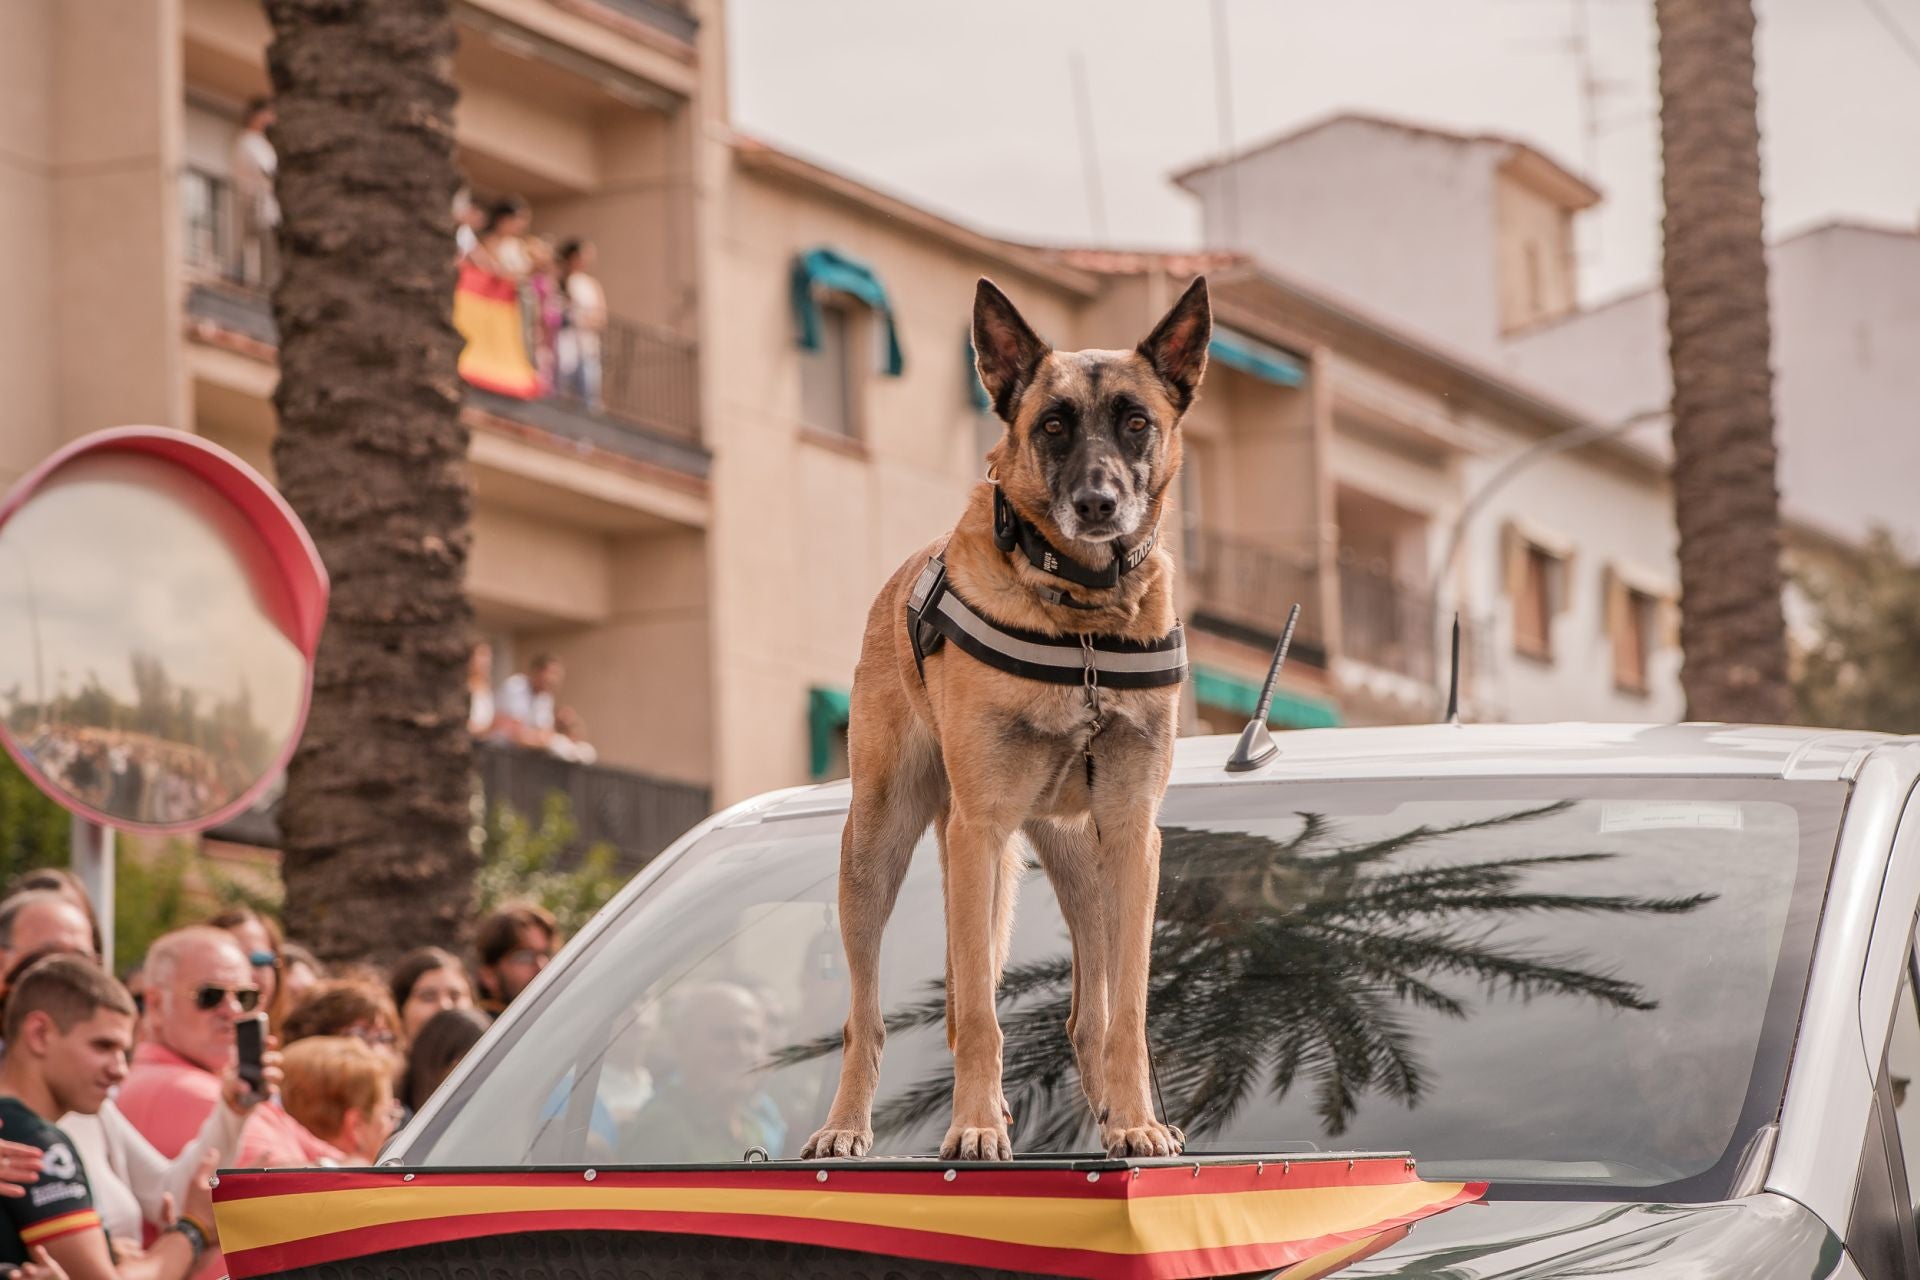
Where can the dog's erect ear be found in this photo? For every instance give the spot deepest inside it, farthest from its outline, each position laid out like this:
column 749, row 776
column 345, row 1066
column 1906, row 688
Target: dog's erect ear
column 1177, row 347
column 1006, row 349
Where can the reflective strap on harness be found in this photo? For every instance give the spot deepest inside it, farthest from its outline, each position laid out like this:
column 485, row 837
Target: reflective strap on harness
column 935, row 613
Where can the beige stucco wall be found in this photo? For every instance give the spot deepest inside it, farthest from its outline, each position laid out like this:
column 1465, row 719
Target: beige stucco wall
column 88, row 145
column 1846, row 359
column 1400, row 222
column 806, row 530
column 1533, row 249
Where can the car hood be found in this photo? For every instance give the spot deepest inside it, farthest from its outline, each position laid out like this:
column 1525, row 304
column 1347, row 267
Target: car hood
column 1764, row 1237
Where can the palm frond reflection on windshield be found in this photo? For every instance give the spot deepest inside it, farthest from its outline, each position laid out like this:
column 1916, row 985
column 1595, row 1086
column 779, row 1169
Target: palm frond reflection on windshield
column 1283, row 964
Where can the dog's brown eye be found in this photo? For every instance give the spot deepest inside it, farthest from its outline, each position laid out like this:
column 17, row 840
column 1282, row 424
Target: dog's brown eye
column 1137, row 422
column 1053, row 426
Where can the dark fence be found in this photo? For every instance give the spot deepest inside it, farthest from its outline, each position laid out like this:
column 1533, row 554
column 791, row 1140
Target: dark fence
column 1246, row 590
column 650, row 377
column 638, row 815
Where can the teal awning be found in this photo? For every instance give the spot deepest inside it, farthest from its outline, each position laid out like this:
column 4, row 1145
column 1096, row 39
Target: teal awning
column 1251, row 356
column 831, row 269
column 976, row 390
column 827, row 712
column 1288, row 710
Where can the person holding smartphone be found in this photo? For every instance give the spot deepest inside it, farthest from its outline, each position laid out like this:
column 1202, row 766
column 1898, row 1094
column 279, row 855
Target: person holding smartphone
column 69, row 1028
column 132, row 1184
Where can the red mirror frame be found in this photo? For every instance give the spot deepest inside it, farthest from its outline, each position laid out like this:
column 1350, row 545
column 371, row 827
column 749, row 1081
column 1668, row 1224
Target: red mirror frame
column 284, row 539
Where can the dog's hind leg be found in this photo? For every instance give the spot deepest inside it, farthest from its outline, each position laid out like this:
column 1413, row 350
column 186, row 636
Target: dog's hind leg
column 895, row 793
column 1069, row 853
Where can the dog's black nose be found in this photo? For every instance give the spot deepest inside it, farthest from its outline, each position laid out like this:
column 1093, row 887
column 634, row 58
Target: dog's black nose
column 1094, row 505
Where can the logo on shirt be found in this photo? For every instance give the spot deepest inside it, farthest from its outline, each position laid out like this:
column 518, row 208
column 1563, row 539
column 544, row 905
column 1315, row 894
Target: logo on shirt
column 59, row 1162
column 47, row 1193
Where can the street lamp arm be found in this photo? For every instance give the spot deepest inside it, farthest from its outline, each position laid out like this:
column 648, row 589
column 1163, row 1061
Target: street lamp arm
column 1552, row 446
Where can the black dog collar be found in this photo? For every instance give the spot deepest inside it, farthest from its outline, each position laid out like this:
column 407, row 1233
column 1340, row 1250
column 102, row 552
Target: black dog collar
column 1011, row 530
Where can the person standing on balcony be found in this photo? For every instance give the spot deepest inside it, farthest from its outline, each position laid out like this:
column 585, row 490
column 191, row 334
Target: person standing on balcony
column 258, row 210
column 480, row 690
column 545, row 308
column 524, row 709
column 579, row 343
column 486, row 306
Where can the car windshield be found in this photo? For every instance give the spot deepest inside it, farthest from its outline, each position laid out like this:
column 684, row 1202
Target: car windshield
column 1507, row 978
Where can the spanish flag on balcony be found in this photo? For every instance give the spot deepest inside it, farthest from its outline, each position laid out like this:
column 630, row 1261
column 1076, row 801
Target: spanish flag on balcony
column 486, row 311
column 1101, row 1219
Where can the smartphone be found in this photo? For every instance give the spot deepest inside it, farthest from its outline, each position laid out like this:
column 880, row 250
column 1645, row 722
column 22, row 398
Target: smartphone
column 250, row 1037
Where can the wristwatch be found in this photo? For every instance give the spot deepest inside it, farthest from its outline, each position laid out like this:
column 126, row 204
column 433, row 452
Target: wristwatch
column 197, row 1236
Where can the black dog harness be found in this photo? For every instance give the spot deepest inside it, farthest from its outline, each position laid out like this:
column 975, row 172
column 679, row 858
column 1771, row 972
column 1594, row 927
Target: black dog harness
column 936, row 614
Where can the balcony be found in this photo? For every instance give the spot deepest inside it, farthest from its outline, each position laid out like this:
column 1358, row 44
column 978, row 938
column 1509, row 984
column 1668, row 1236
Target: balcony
column 1243, row 591
column 1394, row 628
column 650, row 376
column 637, row 814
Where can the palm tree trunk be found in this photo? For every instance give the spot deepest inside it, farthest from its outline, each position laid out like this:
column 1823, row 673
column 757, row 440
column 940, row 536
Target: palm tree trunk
column 372, row 454
column 1726, row 499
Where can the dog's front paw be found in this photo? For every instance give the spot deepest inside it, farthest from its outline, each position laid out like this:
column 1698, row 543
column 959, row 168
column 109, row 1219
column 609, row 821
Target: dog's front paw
column 966, row 1143
column 838, row 1144
column 1150, row 1138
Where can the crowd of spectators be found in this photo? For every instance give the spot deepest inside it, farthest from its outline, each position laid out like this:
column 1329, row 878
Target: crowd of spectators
column 117, row 1100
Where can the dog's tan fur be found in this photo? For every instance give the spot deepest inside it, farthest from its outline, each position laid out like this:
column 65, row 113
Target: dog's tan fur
column 986, row 755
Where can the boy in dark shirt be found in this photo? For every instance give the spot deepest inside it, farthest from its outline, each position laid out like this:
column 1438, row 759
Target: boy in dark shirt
column 69, row 1027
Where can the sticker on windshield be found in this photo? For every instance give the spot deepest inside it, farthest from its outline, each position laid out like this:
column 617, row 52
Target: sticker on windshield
column 1668, row 815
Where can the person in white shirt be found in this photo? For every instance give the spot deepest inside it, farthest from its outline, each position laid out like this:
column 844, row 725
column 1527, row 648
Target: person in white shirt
column 523, row 709
column 480, row 690
column 254, row 167
column 578, row 346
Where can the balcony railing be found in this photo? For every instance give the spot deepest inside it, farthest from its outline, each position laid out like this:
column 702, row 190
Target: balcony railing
column 1387, row 624
column 1244, row 590
column 637, row 814
column 649, row 375
column 664, row 15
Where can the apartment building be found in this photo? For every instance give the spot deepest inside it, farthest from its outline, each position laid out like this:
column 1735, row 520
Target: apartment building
column 790, row 408
column 590, row 525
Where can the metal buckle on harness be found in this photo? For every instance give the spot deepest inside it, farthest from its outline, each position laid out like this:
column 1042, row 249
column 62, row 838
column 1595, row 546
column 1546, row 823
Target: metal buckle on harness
column 922, row 634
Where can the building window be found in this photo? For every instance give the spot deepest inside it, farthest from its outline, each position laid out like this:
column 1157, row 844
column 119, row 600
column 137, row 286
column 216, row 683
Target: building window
column 1533, row 602
column 1536, row 577
column 827, row 377
column 1633, row 621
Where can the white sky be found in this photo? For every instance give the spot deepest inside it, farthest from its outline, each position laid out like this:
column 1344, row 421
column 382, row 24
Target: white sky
column 967, row 106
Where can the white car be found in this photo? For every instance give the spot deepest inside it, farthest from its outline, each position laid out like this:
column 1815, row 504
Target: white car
column 1654, row 985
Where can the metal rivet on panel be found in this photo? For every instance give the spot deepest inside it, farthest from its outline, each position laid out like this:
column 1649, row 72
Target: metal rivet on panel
column 820, row 1176
column 948, row 1175
column 591, row 1175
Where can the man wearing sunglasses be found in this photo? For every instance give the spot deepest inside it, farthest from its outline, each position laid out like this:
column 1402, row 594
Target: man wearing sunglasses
column 198, row 985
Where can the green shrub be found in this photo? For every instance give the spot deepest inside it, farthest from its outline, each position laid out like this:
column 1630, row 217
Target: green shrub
column 523, row 861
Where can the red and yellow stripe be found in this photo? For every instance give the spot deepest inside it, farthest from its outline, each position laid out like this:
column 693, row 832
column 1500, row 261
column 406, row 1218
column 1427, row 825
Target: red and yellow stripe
column 54, row 1228
column 1164, row 1222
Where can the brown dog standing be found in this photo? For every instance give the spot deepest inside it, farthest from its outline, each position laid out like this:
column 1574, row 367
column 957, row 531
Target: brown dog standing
column 1077, row 756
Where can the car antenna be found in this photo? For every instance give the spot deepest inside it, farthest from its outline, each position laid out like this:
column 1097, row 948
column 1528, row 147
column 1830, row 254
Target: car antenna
column 1256, row 745
column 1453, row 683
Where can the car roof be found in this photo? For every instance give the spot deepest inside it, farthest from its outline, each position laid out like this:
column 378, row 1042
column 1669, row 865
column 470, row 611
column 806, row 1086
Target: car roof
column 1482, row 750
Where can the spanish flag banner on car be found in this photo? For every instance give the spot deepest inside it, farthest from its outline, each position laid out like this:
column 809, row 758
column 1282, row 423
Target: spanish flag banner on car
column 1099, row 1219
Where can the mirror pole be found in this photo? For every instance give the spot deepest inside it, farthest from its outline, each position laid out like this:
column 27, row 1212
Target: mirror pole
column 91, row 845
